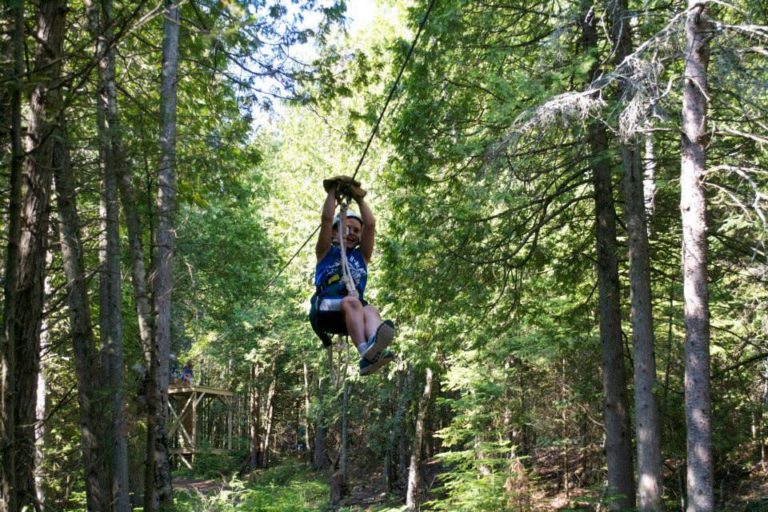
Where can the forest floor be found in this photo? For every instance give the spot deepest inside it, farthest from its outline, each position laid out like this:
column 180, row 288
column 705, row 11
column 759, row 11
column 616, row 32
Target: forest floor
column 292, row 486
column 198, row 486
column 289, row 486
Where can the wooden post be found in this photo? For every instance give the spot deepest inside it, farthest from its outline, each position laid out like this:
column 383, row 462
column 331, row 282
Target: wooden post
column 343, row 453
column 230, row 415
column 414, row 472
column 306, row 408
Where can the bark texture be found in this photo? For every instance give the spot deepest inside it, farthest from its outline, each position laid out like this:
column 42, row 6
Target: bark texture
column 7, row 338
column 42, row 393
column 403, row 453
column 319, row 455
column 649, row 480
column 24, row 323
column 256, row 456
column 618, row 446
column 693, row 207
column 307, row 444
column 110, row 310
column 164, row 247
column 344, row 448
column 647, row 431
column 269, row 409
column 81, row 328
column 414, row 470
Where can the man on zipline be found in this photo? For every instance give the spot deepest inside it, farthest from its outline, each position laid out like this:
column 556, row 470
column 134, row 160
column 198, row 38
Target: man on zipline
column 335, row 308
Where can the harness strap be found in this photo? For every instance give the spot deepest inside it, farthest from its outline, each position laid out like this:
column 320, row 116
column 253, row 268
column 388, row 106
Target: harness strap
column 347, row 278
column 313, row 320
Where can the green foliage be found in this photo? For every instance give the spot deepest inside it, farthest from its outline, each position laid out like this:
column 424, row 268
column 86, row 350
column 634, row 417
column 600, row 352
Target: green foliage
column 77, row 501
column 476, row 479
column 209, row 466
column 485, row 255
column 285, row 488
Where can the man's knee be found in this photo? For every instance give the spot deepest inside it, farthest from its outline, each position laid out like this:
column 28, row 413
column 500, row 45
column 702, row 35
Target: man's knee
column 351, row 304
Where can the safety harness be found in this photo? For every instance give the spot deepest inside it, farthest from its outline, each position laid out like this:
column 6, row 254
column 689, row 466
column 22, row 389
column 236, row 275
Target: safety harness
column 347, row 281
column 346, row 277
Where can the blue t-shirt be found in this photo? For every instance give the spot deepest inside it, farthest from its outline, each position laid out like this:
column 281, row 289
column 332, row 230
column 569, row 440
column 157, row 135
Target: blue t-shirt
column 328, row 272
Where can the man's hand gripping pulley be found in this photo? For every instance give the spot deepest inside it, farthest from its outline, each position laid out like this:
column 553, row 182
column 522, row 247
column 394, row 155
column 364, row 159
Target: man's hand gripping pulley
column 345, row 187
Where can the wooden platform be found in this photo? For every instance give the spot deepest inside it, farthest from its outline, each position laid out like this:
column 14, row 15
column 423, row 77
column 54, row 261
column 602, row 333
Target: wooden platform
column 176, row 389
column 186, row 402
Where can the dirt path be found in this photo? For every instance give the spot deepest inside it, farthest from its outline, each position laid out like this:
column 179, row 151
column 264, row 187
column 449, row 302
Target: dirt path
column 200, row 486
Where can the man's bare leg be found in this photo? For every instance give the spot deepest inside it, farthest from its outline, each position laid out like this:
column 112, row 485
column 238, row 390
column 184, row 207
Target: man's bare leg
column 354, row 318
column 372, row 321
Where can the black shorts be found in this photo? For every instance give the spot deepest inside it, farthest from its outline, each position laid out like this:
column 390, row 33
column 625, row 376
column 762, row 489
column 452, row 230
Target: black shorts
column 331, row 322
column 327, row 317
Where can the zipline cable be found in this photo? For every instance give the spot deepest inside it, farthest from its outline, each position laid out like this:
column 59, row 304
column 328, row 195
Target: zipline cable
column 373, row 132
column 394, row 86
column 272, row 281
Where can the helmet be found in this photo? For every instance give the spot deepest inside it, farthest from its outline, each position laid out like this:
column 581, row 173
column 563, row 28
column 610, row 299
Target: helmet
column 350, row 215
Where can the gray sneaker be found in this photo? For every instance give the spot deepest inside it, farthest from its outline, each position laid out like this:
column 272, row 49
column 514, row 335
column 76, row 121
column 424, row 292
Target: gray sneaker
column 368, row 367
column 380, row 341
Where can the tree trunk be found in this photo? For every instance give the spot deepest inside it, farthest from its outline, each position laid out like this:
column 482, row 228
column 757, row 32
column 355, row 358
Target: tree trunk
column 618, row 447
column 164, row 247
column 40, row 409
column 403, row 455
column 24, row 323
column 339, row 489
column 152, row 394
column 255, row 430
column 693, row 205
column 390, row 475
column 649, row 178
column 319, row 458
column 616, row 409
column 269, row 414
column 647, row 430
column 761, row 425
column 110, row 295
column 306, row 408
column 111, row 334
column 41, row 405
column 255, row 402
column 344, row 446
column 116, row 162
column 133, row 225
column 83, row 340
column 414, row 470
column 138, row 267
column 7, row 338
column 564, row 432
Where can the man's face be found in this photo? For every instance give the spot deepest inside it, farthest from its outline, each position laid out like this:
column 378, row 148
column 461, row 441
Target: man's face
column 352, row 232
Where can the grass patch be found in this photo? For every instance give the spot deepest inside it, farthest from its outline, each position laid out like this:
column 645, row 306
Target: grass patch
column 290, row 487
column 287, row 487
column 374, row 508
column 208, row 466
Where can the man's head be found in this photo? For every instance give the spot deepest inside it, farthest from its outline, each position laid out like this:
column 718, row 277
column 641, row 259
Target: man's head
column 353, row 229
